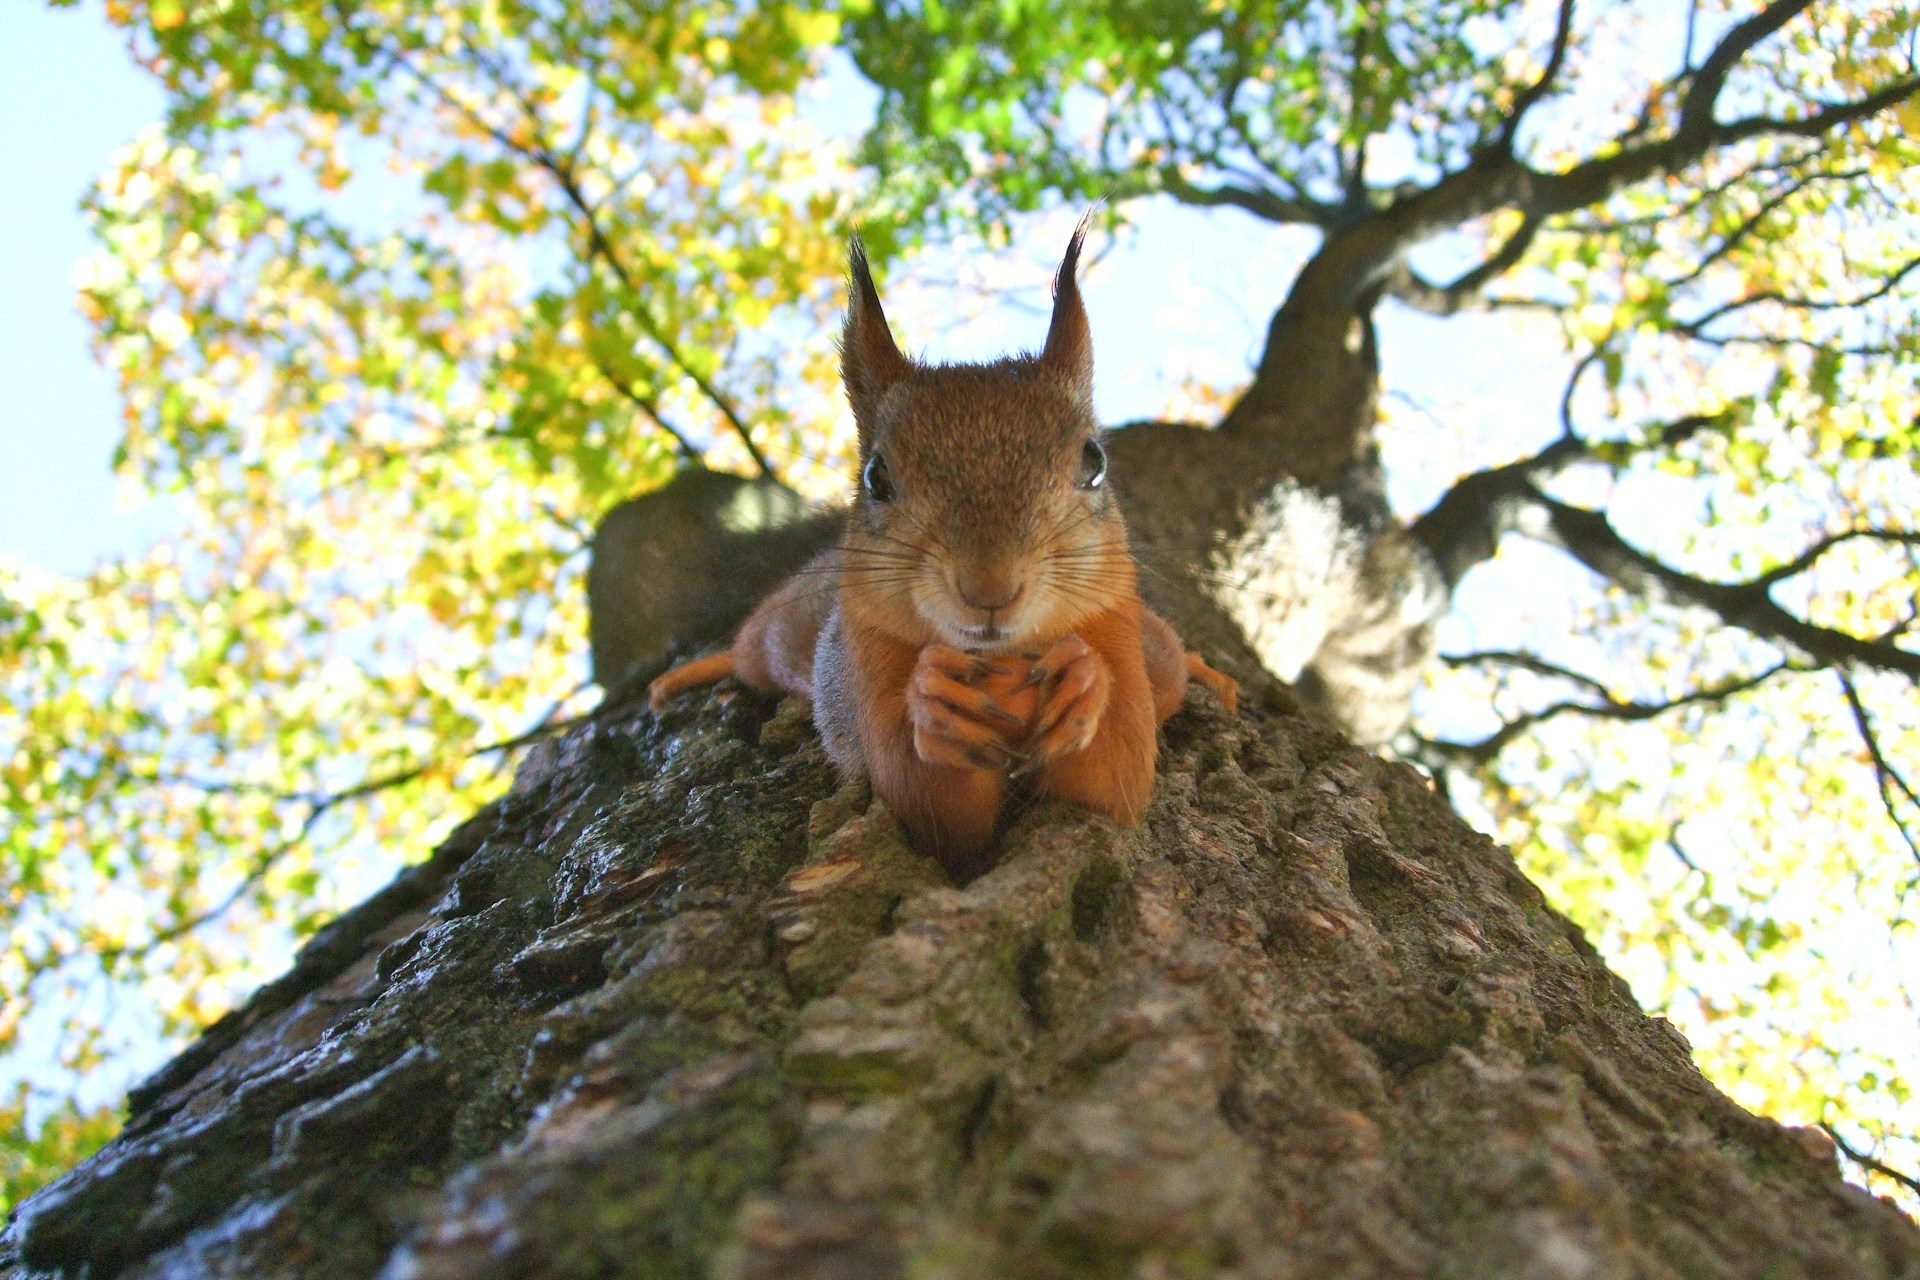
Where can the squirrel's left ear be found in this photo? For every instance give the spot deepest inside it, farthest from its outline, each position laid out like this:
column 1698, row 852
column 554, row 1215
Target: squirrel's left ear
column 1069, row 350
column 870, row 362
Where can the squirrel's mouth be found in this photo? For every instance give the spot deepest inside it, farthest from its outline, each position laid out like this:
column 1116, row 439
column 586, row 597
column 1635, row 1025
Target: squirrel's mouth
column 985, row 637
column 976, row 630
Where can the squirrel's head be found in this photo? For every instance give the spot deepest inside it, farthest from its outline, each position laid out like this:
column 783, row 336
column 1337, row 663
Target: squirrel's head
column 984, row 518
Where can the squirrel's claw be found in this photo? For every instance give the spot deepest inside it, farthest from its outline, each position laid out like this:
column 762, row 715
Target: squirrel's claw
column 1066, row 651
column 941, row 688
column 955, row 724
column 989, row 667
column 944, row 742
column 1070, row 713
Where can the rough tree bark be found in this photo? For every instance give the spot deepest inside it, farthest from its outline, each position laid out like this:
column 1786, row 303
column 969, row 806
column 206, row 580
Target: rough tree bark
column 679, row 1005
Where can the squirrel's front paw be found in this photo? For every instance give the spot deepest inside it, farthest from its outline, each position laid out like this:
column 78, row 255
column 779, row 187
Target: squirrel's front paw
column 1075, row 683
column 954, row 723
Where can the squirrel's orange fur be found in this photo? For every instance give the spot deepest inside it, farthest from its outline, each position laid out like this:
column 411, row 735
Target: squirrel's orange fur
column 979, row 624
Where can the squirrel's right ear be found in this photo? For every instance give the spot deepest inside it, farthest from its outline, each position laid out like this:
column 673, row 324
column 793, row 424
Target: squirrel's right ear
column 1068, row 353
column 870, row 363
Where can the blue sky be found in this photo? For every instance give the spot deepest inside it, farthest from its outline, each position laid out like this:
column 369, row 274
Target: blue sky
column 68, row 96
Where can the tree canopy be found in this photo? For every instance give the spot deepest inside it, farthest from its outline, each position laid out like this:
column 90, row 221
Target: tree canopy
column 403, row 296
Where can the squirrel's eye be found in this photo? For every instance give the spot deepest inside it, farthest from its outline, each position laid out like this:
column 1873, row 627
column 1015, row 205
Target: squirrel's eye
column 877, row 479
column 1093, row 465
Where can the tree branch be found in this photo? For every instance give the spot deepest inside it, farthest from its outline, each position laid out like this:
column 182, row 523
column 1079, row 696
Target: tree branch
column 1806, row 559
column 649, row 406
column 1820, row 122
column 1693, row 327
column 562, row 173
column 1526, row 662
column 1696, row 108
column 1258, row 201
column 1588, row 537
column 318, row 806
column 1465, row 527
column 1465, row 292
column 1777, row 343
column 1748, row 225
column 1352, row 174
column 602, row 247
column 1495, row 180
column 1359, row 258
column 1696, row 197
column 1530, row 96
column 1594, row 180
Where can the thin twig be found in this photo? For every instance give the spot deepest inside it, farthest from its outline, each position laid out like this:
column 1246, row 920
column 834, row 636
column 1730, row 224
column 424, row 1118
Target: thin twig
column 1808, row 558
column 649, row 406
column 1886, row 776
column 1530, row 96
column 1866, row 1161
column 563, row 175
column 1526, row 662
column 318, row 806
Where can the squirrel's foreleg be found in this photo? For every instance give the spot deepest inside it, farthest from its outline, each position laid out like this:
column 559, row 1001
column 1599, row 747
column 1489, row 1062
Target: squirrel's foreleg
column 934, row 748
column 1094, row 738
column 773, row 650
column 1170, row 666
column 665, row 688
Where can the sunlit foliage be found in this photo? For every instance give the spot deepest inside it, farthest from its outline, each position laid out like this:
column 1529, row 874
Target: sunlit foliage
column 404, row 295
column 401, row 299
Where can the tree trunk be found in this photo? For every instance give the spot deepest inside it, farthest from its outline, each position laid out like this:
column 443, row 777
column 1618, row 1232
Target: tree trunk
column 679, row 1005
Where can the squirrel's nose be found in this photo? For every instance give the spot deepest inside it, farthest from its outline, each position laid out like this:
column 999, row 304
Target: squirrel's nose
column 989, row 593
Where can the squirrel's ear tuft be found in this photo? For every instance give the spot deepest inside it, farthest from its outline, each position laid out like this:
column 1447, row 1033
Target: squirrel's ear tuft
column 1069, row 350
column 870, row 363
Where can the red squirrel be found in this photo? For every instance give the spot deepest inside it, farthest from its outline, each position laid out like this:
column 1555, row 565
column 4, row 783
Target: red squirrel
column 979, row 623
